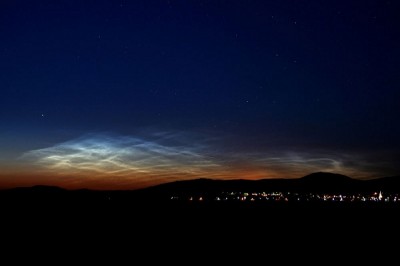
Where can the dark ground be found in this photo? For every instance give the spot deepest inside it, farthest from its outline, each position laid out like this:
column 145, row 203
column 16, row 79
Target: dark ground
column 50, row 218
column 193, row 232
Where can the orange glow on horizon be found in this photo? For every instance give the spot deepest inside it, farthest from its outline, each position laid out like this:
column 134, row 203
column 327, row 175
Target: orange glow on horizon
column 123, row 162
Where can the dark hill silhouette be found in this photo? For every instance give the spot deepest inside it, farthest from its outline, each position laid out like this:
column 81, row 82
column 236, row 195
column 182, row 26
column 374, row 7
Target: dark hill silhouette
column 316, row 182
column 329, row 182
column 36, row 190
column 326, row 177
column 40, row 189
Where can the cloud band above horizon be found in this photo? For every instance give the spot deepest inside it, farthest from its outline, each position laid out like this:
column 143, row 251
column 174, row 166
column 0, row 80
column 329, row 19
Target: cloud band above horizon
column 107, row 160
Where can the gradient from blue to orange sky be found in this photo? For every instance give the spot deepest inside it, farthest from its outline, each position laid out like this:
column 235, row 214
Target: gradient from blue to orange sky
column 127, row 94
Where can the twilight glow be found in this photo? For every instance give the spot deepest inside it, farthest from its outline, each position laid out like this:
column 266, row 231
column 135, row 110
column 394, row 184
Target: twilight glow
column 130, row 160
column 123, row 95
column 118, row 162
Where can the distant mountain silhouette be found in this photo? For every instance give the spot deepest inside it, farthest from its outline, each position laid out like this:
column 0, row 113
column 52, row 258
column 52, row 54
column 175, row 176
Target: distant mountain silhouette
column 316, row 182
column 329, row 182
column 40, row 189
column 326, row 177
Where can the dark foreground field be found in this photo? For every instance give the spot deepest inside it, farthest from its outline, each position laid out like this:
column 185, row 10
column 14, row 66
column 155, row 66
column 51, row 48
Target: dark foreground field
column 135, row 228
column 184, row 213
column 150, row 217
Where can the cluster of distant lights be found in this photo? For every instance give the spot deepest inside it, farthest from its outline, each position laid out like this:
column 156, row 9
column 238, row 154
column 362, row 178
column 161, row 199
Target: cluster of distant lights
column 292, row 197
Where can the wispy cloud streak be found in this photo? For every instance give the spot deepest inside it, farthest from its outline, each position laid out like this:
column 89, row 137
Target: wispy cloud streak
column 122, row 156
column 176, row 156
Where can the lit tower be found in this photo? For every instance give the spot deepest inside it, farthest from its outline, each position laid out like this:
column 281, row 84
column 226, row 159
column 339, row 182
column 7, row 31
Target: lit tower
column 380, row 195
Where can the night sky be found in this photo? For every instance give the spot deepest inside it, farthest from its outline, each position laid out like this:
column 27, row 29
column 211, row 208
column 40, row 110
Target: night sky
column 126, row 94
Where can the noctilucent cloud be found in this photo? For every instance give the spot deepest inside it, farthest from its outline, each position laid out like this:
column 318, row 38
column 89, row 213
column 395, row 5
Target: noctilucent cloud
column 129, row 94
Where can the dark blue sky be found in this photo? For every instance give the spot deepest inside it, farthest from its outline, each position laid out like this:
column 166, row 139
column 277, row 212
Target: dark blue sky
column 254, row 88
